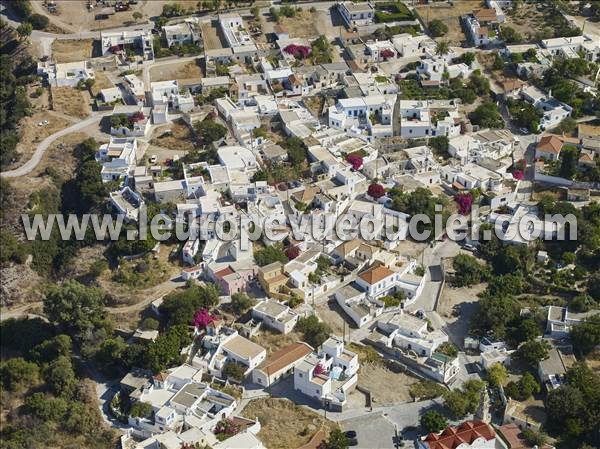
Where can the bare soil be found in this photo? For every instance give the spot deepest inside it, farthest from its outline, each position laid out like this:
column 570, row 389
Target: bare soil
column 179, row 139
column 450, row 15
column 285, row 425
column 70, row 101
column 184, row 72
column 272, row 341
column 386, row 386
column 210, row 34
column 72, row 50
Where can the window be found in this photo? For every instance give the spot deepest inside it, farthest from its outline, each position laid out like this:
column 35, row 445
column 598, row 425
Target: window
column 300, row 375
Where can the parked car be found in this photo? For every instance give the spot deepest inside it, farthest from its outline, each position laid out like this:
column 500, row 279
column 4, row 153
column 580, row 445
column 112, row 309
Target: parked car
column 352, row 442
column 153, row 159
column 524, row 131
column 350, row 434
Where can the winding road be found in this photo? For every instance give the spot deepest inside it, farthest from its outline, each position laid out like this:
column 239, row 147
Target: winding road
column 28, row 166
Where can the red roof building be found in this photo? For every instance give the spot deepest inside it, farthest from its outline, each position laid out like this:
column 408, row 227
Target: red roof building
column 469, row 434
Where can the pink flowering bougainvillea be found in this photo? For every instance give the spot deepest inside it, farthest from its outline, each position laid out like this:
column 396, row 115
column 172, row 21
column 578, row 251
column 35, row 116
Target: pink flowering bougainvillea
column 202, row 318
column 292, row 252
column 518, row 175
column 227, row 427
column 355, row 160
column 465, row 202
column 318, row 369
column 298, row 51
column 376, row 191
column 387, row 53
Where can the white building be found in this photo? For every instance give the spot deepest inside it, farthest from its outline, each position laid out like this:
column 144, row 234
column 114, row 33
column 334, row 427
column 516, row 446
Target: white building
column 118, row 158
column 135, row 121
column 328, row 375
column 127, row 203
column 356, row 14
column 135, row 87
column 570, row 47
column 236, row 35
column 168, row 93
column 275, row 315
column 67, row 74
column 179, row 400
column 114, row 42
column 410, row 333
column 429, row 118
column 478, row 34
column 369, row 117
column 182, row 33
column 280, row 364
column 379, row 280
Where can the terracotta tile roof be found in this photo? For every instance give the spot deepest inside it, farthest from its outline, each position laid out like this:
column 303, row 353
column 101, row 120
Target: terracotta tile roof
column 467, row 432
column 550, row 144
column 224, row 272
column 162, row 376
column 375, row 274
column 485, row 14
column 315, row 441
column 512, row 84
column 285, row 357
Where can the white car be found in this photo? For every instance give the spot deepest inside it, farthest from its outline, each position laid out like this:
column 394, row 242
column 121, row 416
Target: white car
column 153, row 159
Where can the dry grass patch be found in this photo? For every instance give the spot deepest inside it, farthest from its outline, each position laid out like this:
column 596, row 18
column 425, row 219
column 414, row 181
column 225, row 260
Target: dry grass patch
column 450, row 15
column 69, row 101
column 184, row 72
column 386, row 386
column 272, row 341
column 285, row 425
column 179, row 139
column 102, row 82
column 31, row 133
column 72, row 50
column 210, row 35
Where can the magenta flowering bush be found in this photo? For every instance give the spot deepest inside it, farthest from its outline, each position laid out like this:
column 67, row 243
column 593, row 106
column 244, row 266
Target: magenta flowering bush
column 355, row 160
column 298, row 51
column 202, row 318
column 465, row 202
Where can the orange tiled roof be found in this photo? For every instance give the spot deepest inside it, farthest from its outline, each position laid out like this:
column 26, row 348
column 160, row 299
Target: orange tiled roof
column 485, row 14
column 550, row 144
column 284, row 357
column 467, row 432
column 375, row 274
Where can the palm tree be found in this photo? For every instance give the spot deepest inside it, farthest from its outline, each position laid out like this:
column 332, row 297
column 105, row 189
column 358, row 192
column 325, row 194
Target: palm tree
column 442, row 48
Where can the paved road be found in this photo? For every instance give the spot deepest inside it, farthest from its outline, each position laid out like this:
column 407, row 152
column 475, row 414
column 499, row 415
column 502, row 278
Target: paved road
column 28, row 166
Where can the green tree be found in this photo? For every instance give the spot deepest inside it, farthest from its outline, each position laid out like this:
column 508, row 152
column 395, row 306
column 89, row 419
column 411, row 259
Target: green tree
column 337, row 440
column 241, row 303
column 60, row 377
column 534, row 438
column 166, row 349
column 569, row 157
column 270, row 254
column 468, row 58
column 448, row 349
column 486, row 115
column 510, row 35
column 433, row 422
column 46, row 408
column 91, row 189
column 110, row 354
column 141, row 409
column 437, row 28
column 75, row 307
column 137, row 15
column 315, row 332
column 442, row 48
column 586, row 335
column 179, row 306
column 18, row 374
column 523, row 388
column 49, row 350
column 440, row 144
column 150, row 324
column 234, row 371
column 468, row 271
column 210, row 131
column 295, row 149
column 38, row 21
column 24, row 30
column 534, row 351
column 497, row 375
